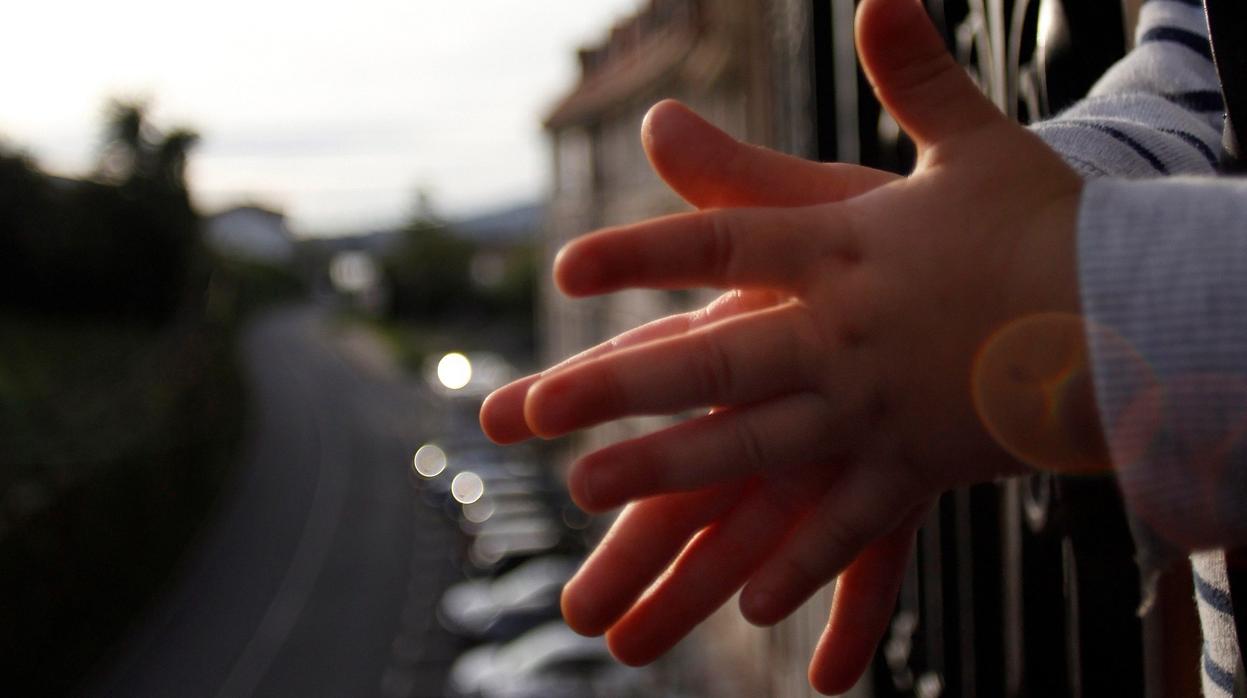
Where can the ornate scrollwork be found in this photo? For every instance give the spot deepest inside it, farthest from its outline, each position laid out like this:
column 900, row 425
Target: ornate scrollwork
column 1045, row 552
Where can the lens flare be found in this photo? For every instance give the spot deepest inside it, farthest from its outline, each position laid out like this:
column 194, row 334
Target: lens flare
column 1174, row 435
column 1033, row 392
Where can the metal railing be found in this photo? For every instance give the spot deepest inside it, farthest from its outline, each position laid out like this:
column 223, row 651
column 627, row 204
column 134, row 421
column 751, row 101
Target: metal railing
column 1023, row 588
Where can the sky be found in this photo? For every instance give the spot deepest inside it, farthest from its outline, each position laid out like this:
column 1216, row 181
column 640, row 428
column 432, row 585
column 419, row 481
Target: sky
column 336, row 113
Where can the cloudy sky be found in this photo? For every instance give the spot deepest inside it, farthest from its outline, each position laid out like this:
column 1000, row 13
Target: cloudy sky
column 336, row 112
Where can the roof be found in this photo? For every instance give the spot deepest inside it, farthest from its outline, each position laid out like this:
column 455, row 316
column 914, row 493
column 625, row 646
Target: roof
column 648, row 64
column 248, row 208
column 669, row 41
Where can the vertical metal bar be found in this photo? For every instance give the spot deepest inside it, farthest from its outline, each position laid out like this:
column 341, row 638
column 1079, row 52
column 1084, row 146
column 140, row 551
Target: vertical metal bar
column 795, row 76
column 932, row 578
column 1226, row 22
column 1073, row 618
column 1011, row 572
column 1017, row 39
column 965, row 591
column 999, row 47
column 848, row 146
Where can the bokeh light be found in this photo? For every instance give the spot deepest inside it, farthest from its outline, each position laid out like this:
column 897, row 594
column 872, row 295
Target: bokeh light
column 454, row 371
column 478, row 512
column 430, row 460
column 467, row 487
column 354, row 272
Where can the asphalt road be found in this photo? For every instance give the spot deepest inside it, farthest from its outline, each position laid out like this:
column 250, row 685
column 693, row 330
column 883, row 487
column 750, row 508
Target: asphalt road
column 319, row 573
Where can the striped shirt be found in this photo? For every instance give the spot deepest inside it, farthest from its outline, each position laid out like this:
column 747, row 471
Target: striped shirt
column 1162, row 251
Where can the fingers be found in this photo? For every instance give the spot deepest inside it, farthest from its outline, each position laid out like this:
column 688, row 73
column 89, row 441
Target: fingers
column 865, row 598
column 645, row 538
column 740, row 360
column 502, row 413
column 721, row 248
column 930, row 96
column 762, row 438
column 862, row 505
column 710, row 169
column 705, row 576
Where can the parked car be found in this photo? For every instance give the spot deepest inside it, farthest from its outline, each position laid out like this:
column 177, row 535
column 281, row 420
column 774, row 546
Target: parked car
column 506, row 606
column 550, row 661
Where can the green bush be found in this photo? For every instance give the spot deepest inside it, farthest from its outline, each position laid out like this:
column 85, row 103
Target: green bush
column 121, row 403
column 237, row 287
column 428, row 273
column 116, row 440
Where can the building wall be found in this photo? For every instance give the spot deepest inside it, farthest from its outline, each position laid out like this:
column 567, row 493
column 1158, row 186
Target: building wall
column 747, row 71
column 251, row 233
column 601, row 176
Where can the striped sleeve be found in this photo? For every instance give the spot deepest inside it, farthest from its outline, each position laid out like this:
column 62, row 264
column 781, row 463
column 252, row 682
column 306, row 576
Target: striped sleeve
column 1216, row 616
column 1163, row 279
column 1163, row 276
column 1156, row 112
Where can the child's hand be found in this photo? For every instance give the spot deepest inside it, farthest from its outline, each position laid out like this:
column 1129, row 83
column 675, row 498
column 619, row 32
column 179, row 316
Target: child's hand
column 708, row 169
column 842, row 377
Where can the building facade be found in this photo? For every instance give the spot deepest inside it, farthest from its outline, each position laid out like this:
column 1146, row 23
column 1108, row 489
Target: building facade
column 722, row 59
column 745, row 66
column 251, row 233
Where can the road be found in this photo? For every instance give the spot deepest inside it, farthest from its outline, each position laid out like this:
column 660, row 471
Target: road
column 320, row 570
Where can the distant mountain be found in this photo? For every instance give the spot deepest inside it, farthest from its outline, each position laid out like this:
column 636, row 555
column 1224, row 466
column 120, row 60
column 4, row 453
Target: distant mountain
column 507, row 226
column 520, row 223
column 376, row 242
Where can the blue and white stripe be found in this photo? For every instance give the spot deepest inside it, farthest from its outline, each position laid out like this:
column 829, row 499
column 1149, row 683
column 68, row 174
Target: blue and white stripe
column 1216, row 616
column 1161, row 263
column 1157, row 112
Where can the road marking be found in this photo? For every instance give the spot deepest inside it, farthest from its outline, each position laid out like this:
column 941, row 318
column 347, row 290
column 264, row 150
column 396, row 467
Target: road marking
column 305, row 566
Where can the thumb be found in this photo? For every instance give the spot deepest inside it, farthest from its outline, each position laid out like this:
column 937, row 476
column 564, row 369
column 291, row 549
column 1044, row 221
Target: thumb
column 710, row 169
column 919, row 83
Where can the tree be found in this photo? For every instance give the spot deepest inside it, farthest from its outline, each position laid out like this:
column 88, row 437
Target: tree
column 134, row 151
column 428, row 272
column 124, row 244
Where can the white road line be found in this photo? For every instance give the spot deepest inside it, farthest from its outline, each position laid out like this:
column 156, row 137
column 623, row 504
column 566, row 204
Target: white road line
column 305, row 567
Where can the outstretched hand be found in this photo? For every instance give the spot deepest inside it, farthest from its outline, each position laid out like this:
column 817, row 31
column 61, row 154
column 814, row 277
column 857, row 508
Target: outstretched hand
column 839, row 370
